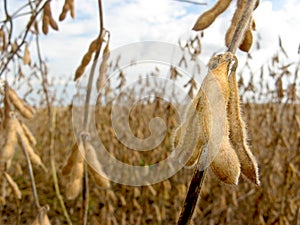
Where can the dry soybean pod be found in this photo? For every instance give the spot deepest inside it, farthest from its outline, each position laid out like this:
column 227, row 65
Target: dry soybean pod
column 74, row 185
column 45, row 24
column 103, row 66
column 208, row 17
column 200, row 104
column 95, row 167
column 238, row 134
column 68, row 6
column 190, row 136
column 26, row 56
column 73, row 188
column 53, row 24
column 35, row 158
column 3, row 41
column 75, row 157
column 7, row 152
column 14, row 186
column 64, row 11
column 19, row 103
column 28, row 134
column 74, row 167
column 247, row 41
column 46, row 18
column 235, row 20
column 225, row 164
column 42, row 217
column 94, row 45
column 72, row 8
column 99, row 180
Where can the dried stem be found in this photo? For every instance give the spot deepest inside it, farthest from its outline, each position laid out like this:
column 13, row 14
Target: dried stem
column 91, row 77
column 242, row 26
column 53, row 167
column 44, row 76
column 30, row 171
column 85, row 191
column 85, row 196
column 8, row 18
column 192, row 196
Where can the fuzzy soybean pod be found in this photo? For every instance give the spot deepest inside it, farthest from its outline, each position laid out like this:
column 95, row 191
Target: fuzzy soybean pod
column 74, row 158
column 238, row 134
column 7, row 152
column 26, row 56
column 19, row 104
column 208, row 17
column 48, row 19
column 14, row 186
column 42, row 217
column 222, row 157
column 225, row 164
column 74, row 168
column 94, row 45
column 248, row 36
column 74, row 186
column 29, row 134
column 235, row 20
column 68, row 6
column 24, row 142
column 103, row 67
column 95, row 167
column 193, row 127
column 248, row 39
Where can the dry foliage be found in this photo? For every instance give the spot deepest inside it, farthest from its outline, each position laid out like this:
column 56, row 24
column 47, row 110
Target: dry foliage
column 273, row 130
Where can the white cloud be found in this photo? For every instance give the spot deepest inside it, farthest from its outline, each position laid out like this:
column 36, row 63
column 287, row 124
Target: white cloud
column 162, row 20
column 283, row 22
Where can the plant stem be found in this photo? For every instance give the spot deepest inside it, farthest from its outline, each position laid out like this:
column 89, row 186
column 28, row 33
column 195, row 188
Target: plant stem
column 242, row 26
column 85, row 196
column 86, row 119
column 91, row 76
column 192, row 196
column 53, row 166
column 30, row 171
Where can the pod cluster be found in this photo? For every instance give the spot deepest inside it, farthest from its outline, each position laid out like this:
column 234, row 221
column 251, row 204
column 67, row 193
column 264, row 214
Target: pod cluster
column 208, row 17
column 232, row 156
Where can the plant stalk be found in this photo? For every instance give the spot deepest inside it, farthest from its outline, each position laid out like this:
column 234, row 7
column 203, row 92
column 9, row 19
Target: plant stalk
column 192, row 196
column 239, row 33
column 53, row 166
column 86, row 119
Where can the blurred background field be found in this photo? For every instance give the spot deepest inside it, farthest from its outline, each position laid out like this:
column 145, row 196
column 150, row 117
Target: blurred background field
column 274, row 137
